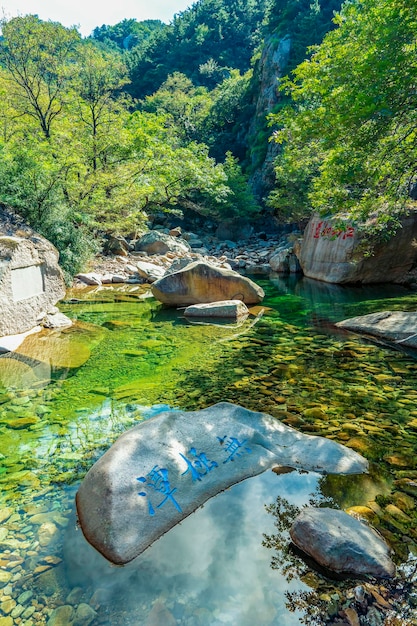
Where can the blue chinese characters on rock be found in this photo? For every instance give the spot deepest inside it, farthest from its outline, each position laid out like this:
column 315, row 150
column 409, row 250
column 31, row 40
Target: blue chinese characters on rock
column 199, row 466
column 157, row 479
column 156, row 484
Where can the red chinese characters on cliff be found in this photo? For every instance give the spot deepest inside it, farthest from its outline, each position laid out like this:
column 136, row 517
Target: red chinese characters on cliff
column 320, row 229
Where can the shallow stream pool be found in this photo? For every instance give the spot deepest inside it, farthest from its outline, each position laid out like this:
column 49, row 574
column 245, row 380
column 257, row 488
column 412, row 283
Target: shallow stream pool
column 66, row 396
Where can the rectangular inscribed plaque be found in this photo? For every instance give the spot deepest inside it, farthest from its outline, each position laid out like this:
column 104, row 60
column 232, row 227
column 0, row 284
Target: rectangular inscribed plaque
column 27, row 282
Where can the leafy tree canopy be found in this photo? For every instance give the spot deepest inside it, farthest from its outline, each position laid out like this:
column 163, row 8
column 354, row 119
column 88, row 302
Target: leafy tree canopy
column 350, row 136
column 75, row 161
column 203, row 43
column 126, row 34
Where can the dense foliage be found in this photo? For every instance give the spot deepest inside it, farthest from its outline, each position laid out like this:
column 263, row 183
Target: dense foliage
column 304, row 21
column 80, row 156
column 126, row 34
column 350, row 134
column 75, row 160
column 204, row 43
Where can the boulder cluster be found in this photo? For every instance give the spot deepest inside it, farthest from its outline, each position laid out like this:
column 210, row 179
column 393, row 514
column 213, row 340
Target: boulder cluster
column 158, row 253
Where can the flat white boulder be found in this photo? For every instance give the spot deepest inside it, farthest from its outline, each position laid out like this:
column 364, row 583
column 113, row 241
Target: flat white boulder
column 163, row 469
column 150, row 271
column 225, row 308
column 90, row 278
column 342, row 543
column 396, row 327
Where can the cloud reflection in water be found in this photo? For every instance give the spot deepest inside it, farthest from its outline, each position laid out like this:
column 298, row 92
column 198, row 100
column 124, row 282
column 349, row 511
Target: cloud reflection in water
column 211, row 569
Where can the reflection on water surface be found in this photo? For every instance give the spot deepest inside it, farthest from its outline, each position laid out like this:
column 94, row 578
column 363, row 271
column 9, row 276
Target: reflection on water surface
column 66, row 396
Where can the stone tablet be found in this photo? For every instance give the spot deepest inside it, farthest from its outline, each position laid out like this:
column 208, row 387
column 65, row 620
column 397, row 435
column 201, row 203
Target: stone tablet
column 160, row 471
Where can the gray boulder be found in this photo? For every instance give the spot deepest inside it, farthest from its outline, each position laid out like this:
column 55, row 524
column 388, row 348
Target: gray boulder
column 225, row 308
column 335, row 255
column 162, row 470
column 396, row 327
column 284, row 261
column 90, row 278
column 149, row 271
column 56, row 320
column 116, row 245
column 31, row 281
column 201, row 282
column 155, row 242
column 84, row 615
column 342, row 543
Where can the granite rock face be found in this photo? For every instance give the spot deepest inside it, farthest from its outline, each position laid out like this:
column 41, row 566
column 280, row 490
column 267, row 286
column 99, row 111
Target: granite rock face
column 333, row 254
column 396, row 327
column 31, row 282
column 284, row 261
column 162, row 470
column 342, row 543
column 201, row 282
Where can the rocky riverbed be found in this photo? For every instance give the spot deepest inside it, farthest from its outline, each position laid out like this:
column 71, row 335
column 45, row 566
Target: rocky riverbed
column 252, row 256
column 259, row 255
column 38, row 507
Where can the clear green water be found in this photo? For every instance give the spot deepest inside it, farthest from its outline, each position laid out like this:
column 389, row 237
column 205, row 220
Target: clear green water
column 61, row 408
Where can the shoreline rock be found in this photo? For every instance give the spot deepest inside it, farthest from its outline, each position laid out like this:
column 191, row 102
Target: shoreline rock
column 399, row 328
column 331, row 250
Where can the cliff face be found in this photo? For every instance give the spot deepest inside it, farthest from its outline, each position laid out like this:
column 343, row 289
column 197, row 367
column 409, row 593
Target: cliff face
column 292, row 28
column 272, row 66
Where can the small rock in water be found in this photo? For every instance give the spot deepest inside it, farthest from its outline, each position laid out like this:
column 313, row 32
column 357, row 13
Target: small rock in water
column 62, row 616
column 46, row 533
column 84, row 615
column 160, row 616
column 5, row 514
column 75, row 595
column 25, row 597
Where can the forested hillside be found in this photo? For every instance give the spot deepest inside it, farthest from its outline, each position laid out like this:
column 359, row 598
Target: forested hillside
column 99, row 133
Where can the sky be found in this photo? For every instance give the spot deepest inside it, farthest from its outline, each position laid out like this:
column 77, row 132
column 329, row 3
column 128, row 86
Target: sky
column 87, row 14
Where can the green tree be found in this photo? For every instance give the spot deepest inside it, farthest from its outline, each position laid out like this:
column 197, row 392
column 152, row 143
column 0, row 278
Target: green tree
column 126, row 34
column 37, row 58
column 350, row 139
column 187, row 105
column 201, row 42
column 100, row 76
column 225, row 126
column 240, row 203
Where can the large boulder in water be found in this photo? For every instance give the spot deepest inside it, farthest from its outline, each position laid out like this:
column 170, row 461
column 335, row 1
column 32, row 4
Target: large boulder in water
column 31, row 281
column 160, row 471
column 334, row 253
column 342, row 543
column 201, row 282
column 396, row 327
